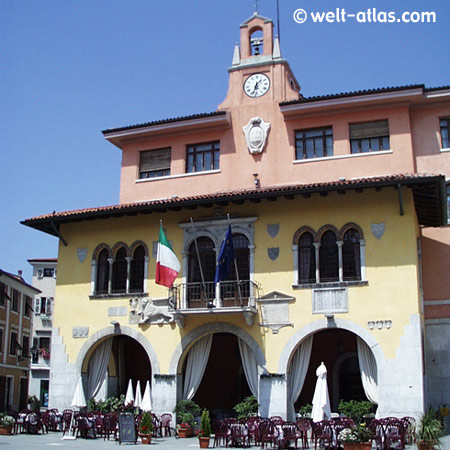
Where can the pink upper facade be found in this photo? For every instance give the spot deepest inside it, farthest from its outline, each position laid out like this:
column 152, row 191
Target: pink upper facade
column 412, row 114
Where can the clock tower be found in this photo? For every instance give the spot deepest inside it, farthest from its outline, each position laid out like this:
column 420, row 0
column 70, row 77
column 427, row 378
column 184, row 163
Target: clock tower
column 258, row 74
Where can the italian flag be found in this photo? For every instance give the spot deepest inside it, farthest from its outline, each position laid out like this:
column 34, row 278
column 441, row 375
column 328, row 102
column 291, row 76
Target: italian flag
column 167, row 264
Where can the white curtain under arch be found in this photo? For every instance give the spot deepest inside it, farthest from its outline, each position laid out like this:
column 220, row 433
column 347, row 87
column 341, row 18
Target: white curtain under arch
column 98, row 370
column 299, row 369
column 368, row 367
column 250, row 366
column 195, row 367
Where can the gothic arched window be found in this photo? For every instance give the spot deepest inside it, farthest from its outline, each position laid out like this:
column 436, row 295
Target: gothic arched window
column 119, row 271
column 306, row 259
column 137, row 270
column 102, row 279
column 328, row 257
column 351, row 256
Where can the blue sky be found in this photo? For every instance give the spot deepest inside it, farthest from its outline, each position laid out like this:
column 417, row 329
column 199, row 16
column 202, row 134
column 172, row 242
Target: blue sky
column 72, row 68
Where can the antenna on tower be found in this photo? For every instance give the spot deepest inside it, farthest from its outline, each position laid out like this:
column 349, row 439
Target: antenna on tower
column 278, row 21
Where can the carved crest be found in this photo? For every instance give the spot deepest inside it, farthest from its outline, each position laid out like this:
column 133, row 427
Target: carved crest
column 255, row 133
column 273, row 229
column 82, row 253
column 273, row 253
column 377, row 229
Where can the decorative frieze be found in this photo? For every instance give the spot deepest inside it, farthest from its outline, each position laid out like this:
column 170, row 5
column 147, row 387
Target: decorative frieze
column 379, row 324
column 80, row 332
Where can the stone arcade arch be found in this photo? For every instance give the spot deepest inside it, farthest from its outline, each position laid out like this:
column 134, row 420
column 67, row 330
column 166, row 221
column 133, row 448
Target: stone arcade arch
column 182, row 349
column 110, row 333
column 327, row 324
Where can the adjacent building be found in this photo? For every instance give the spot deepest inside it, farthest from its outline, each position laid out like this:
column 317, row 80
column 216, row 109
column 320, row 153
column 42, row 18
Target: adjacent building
column 16, row 314
column 338, row 212
column 44, row 279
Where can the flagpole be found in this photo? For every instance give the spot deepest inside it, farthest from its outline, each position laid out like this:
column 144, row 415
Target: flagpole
column 235, row 265
column 198, row 259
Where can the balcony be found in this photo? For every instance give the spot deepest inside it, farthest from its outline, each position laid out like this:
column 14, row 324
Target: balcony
column 226, row 297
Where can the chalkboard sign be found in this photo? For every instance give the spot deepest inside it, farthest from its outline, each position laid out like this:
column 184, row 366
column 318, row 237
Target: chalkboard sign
column 127, row 430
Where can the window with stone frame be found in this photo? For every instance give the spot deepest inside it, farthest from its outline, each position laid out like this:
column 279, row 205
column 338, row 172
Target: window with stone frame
column 369, row 136
column 444, row 125
column 27, row 308
column 202, row 157
column 137, row 270
column 306, row 259
column 102, row 280
column 338, row 255
column 155, row 163
column 121, row 270
column 314, row 143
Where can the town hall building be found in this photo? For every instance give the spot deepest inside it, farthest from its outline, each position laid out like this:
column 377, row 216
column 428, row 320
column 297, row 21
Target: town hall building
column 338, row 211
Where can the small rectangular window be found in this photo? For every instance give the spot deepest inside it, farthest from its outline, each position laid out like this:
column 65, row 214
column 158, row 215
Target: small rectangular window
column 369, row 136
column 27, row 306
column 15, row 297
column 202, row 157
column 154, row 163
column 314, row 143
column 13, row 343
column 3, row 294
column 48, row 272
column 1, row 340
column 445, row 132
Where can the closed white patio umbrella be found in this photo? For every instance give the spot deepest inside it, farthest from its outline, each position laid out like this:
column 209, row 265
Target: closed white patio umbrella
column 79, row 399
column 146, row 404
column 129, row 397
column 321, row 400
column 138, row 395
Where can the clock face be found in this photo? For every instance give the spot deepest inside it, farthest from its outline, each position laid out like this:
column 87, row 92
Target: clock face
column 256, row 85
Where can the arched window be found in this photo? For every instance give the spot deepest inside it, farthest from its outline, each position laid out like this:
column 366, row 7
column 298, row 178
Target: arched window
column 231, row 292
column 199, row 292
column 137, row 270
column 102, row 278
column 306, row 259
column 328, row 257
column 351, row 256
column 119, row 271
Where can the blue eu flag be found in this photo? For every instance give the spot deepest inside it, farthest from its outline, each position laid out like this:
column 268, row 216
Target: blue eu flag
column 226, row 255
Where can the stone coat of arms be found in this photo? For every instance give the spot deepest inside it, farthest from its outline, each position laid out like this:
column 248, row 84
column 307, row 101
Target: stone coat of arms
column 256, row 132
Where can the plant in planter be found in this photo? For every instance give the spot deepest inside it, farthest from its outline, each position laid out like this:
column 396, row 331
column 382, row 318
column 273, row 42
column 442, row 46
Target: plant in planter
column 146, row 428
column 356, row 438
column 429, row 430
column 6, row 423
column 185, row 427
column 355, row 410
column 205, row 429
column 247, row 408
column 186, row 406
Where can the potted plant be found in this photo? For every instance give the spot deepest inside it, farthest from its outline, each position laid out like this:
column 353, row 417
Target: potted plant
column 146, row 428
column 6, row 423
column 185, row 427
column 356, row 438
column 205, row 430
column 429, row 430
column 186, row 406
column 305, row 410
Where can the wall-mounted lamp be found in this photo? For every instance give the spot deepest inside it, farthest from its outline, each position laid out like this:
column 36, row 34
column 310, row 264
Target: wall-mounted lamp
column 256, row 179
column 116, row 326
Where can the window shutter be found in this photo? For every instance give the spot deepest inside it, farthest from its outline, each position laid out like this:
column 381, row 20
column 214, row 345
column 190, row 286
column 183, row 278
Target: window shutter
column 369, row 129
column 40, row 273
column 37, row 305
column 155, row 160
column 48, row 306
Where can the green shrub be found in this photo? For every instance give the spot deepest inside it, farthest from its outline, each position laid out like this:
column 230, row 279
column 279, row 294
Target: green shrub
column 205, row 424
column 247, row 408
column 355, row 409
column 186, row 406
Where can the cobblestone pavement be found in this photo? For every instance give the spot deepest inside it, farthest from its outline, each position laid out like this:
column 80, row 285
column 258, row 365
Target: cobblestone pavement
column 54, row 440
